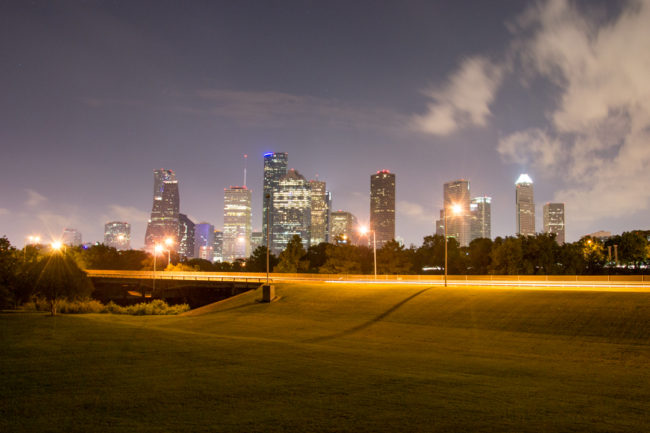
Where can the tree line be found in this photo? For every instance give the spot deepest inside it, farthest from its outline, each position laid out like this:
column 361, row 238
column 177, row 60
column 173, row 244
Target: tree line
column 38, row 270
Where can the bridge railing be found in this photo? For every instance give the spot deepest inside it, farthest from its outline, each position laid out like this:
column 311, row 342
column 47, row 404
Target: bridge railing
column 632, row 280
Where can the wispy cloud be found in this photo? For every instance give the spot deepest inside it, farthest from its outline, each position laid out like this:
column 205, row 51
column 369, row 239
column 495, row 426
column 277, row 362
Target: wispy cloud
column 414, row 212
column 531, row 147
column 34, row 198
column 4, row 211
column 464, row 100
column 129, row 214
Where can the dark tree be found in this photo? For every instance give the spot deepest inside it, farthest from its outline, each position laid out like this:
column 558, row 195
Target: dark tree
column 341, row 259
column 316, row 256
column 507, row 256
column 479, row 256
column 293, row 258
column 59, row 277
column 257, row 261
column 393, row 258
column 8, row 273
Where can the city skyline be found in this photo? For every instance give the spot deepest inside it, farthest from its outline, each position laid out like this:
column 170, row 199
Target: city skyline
column 426, row 93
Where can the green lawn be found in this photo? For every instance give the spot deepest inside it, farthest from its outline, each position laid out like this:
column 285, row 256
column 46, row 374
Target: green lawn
column 334, row 357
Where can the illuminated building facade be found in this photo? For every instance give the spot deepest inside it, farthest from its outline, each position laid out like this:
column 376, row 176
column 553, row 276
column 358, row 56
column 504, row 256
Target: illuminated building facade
column 382, row 206
column 203, row 237
column 554, row 220
column 525, row 204
column 256, row 240
column 319, row 212
column 291, row 211
column 217, row 247
column 185, row 236
column 117, row 234
column 481, row 218
column 275, row 168
column 163, row 223
column 344, row 227
column 456, row 194
column 236, row 223
column 71, row 237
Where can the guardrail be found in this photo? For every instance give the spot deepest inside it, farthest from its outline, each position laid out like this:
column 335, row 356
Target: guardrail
column 532, row 280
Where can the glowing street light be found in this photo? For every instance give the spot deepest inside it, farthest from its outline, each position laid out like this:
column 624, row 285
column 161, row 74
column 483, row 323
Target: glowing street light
column 455, row 210
column 364, row 231
column 57, row 245
column 169, row 242
column 157, row 249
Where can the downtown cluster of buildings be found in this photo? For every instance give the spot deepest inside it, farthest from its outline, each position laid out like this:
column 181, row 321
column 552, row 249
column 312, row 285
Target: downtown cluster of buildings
column 293, row 205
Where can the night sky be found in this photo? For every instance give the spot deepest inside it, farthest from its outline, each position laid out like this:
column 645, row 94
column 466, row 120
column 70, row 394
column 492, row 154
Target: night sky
column 95, row 95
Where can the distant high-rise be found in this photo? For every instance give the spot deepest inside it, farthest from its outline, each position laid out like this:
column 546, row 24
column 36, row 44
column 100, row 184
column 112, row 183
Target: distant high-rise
column 291, row 211
column 343, row 225
column 185, row 236
column 382, row 206
column 71, row 237
column 525, row 203
column 256, row 240
column 554, row 220
column 203, row 237
column 319, row 212
column 456, row 194
column 163, row 223
column 481, row 218
column 275, row 168
column 217, row 249
column 117, row 234
column 440, row 224
column 236, row 223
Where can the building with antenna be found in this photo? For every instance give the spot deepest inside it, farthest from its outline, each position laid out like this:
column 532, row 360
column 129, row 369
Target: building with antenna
column 236, row 223
column 163, row 223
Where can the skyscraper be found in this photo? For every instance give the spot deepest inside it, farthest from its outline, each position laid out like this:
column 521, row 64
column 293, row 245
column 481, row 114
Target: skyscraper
column 236, row 223
column 319, row 210
column 256, row 240
column 71, row 237
column 185, row 236
column 163, row 223
column 275, row 168
column 481, row 218
column 440, row 224
column 554, row 220
column 343, row 225
column 217, row 249
column 291, row 211
column 456, row 194
column 382, row 206
column 203, row 237
column 117, row 234
column 525, row 203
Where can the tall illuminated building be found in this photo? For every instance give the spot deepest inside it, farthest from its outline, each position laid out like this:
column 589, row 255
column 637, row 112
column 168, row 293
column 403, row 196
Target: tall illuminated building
column 554, row 221
column 71, row 237
column 481, row 218
column 163, row 223
column 117, row 234
column 456, row 196
column 217, row 249
column 291, row 211
column 440, row 224
column 275, row 168
column 185, row 236
column 256, row 240
column 382, row 206
column 203, row 237
column 525, row 203
column 344, row 227
column 319, row 212
column 236, row 223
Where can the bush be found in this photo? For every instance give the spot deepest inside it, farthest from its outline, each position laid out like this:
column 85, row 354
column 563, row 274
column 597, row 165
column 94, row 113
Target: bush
column 85, row 306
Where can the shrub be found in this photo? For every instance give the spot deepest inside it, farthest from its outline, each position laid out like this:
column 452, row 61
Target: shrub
column 85, row 306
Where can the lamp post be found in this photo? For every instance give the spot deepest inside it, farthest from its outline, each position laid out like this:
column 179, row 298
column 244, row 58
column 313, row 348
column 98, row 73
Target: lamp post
column 455, row 210
column 157, row 249
column 268, row 238
column 364, row 230
column 169, row 242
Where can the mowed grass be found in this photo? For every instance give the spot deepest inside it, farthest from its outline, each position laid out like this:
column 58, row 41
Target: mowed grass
column 338, row 357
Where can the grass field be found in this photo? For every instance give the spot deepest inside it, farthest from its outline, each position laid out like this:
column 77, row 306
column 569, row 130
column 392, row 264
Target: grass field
column 330, row 357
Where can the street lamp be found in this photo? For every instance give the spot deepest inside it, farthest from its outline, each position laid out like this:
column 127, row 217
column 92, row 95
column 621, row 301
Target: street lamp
column 169, row 242
column 57, row 245
column 156, row 250
column 364, row 231
column 455, row 210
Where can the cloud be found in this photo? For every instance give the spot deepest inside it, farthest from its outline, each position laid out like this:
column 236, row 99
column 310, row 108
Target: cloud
column 464, row 100
column 531, row 147
column 34, row 198
column 600, row 126
column 129, row 214
column 4, row 211
column 414, row 211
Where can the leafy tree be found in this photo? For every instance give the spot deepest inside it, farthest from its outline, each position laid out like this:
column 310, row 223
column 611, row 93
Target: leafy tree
column 202, row 265
column 479, row 256
column 632, row 248
column 571, row 260
column 392, row 258
column 316, row 256
column 292, row 259
column 180, row 267
column 593, row 252
column 506, row 256
column 257, row 261
column 59, row 276
column 8, row 270
column 341, row 259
